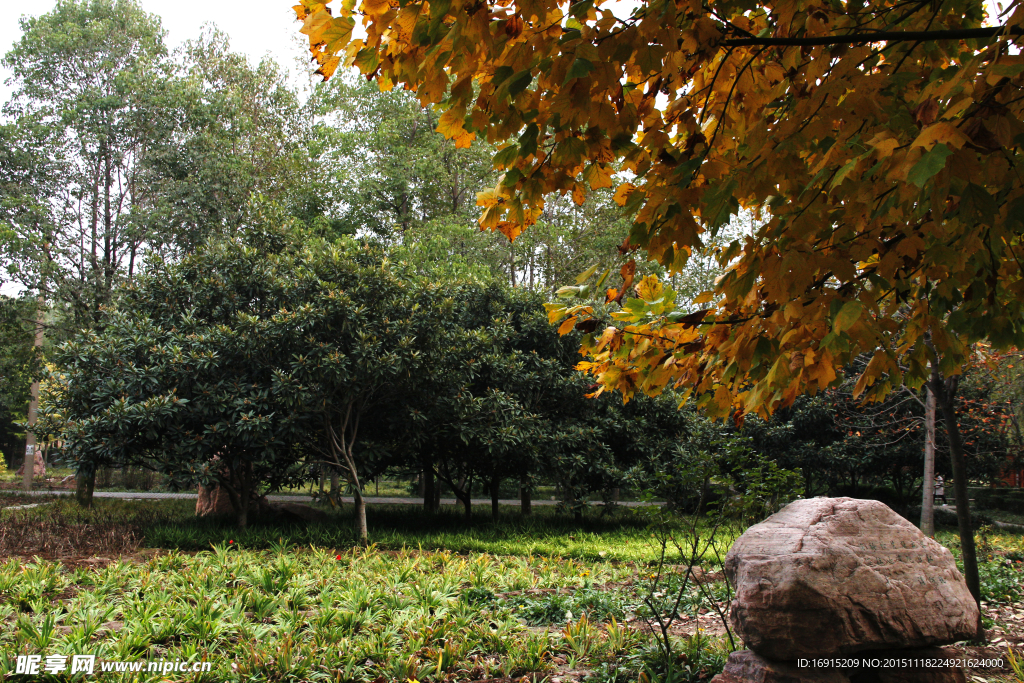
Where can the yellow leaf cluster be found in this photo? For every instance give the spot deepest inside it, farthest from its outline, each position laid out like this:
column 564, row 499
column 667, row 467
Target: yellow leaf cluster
column 886, row 172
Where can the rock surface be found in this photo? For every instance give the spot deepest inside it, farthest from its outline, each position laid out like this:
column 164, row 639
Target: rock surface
column 832, row 576
column 745, row 666
column 213, row 500
column 911, row 674
column 38, row 466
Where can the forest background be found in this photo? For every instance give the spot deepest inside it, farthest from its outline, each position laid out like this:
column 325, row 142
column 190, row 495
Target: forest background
column 123, row 161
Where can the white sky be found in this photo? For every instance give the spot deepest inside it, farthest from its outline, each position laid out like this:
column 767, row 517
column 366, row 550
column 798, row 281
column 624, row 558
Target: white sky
column 256, row 27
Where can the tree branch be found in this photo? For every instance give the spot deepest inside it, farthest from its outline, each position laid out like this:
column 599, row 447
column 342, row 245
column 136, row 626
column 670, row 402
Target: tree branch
column 880, row 37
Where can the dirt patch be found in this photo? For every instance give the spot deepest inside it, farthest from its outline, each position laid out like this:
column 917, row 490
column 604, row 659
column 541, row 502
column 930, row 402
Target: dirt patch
column 15, row 500
column 50, row 484
column 25, row 536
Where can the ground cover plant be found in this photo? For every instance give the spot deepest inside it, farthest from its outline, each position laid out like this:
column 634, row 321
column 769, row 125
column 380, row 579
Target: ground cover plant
column 433, row 599
column 293, row 613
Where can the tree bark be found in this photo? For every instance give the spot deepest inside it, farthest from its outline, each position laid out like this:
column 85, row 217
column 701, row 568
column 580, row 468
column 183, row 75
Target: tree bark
column 335, row 494
column 525, row 500
column 928, row 487
column 84, row 485
column 495, row 485
column 944, row 392
column 29, row 468
column 429, row 490
column 361, row 528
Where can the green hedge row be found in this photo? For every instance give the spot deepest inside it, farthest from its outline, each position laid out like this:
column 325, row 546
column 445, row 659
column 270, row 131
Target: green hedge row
column 1010, row 500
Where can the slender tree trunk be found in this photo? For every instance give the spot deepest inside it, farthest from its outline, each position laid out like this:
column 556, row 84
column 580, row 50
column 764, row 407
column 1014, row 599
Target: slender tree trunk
column 495, row 485
column 29, row 468
column 525, row 499
column 467, row 502
column 335, row 494
column 84, row 485
column 944, row 394
column 928, row 487
column 243, row 500
column 361, row 529
column 429, row 490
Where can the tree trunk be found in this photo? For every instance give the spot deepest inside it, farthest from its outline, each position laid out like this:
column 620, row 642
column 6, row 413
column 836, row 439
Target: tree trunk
column 928, row 487
column 495, row 485
column 85, row 483
column 29, row 467
column 429, row 490
column 335, row 494
column 944, row 400
column 361, row 530
column 525, row 501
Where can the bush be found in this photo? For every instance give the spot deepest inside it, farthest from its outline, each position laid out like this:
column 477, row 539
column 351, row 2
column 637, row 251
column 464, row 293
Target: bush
column 1009, row 500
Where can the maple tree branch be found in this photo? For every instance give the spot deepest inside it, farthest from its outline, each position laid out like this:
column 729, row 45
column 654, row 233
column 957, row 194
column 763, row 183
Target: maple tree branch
column 711, row 89
column 881, row 36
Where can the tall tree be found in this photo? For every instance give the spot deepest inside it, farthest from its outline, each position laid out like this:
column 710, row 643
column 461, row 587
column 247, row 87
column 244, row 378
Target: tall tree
column 83, row 76
column 234, row 131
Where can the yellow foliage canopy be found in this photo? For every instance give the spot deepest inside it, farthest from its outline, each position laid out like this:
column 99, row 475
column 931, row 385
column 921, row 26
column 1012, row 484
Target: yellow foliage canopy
column 879, row 142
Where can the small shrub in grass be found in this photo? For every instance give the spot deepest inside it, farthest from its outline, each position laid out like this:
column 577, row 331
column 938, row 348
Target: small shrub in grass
column 696, row 659
column 555, row 609
column 1002, row 580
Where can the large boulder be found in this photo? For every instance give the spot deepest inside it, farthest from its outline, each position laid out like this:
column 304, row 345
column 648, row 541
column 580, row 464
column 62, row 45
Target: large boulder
column 832, row 576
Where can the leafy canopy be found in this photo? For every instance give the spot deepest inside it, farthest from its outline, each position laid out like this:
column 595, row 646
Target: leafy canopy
column 878, row 142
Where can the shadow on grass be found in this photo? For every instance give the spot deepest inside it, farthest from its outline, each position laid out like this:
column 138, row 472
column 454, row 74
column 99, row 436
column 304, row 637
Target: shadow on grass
column 61, row 528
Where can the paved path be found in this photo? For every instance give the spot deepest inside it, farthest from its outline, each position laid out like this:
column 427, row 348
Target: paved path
column 370, row 500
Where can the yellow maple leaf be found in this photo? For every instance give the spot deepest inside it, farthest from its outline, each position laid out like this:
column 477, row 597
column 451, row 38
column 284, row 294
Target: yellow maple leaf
column 510, row 229
column 622, row 193
column 374, row 8
column 940, row 132
column 451, row 126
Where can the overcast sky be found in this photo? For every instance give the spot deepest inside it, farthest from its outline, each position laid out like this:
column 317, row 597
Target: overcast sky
column 256, row 27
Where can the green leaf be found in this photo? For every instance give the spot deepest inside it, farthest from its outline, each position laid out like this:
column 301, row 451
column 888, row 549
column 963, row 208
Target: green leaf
column 520, row 82
column 506, row 157
column 580, row 68
column 928, row 165
column 719, row 203
column 844, row 171
column 585, row 275
column 569, row 152
column 501, row 74
column 847, row 316
column 528, row 140
column 977, row 205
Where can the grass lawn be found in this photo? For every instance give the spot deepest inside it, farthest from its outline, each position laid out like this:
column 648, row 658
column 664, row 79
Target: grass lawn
column 433, row 599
